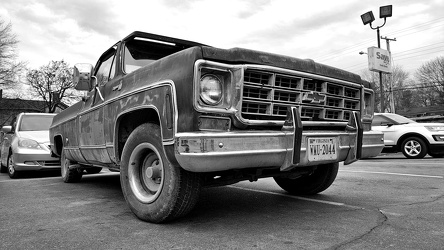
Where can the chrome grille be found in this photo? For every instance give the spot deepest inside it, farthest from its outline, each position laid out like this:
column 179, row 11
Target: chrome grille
column 267, row 96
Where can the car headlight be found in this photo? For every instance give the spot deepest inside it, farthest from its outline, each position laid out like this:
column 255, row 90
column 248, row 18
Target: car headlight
column 210, row 89
column 28, row 143
column 435, row 128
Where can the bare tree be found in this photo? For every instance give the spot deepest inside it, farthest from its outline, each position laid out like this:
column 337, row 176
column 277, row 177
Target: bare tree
column 395, row 82
column 9, row 67
column 431, row 77
column 52, row 83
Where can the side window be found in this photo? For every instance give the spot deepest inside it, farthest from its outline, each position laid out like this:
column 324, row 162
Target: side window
column 380, row 121
column 107, row 68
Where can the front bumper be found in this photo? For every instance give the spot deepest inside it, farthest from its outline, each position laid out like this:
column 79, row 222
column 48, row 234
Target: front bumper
column 30, row 160
column 287, row 149
column 372, row 144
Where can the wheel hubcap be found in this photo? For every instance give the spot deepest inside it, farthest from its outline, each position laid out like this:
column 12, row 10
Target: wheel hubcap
column 11, row 166
column 151, row 173
column 412, row 148
column 145, row 172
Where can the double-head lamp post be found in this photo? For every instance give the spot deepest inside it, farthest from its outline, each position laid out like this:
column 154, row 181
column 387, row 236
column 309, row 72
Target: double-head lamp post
column 368, row 18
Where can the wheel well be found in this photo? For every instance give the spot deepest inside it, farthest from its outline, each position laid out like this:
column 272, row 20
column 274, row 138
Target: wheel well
column 130, row 121
column 402, row 138
column 58, row 145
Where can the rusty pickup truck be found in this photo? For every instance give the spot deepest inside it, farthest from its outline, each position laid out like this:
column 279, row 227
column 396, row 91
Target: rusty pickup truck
column 174, row 116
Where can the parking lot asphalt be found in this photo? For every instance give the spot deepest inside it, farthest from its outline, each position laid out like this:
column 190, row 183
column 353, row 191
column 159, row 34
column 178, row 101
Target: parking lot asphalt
column 387, row 202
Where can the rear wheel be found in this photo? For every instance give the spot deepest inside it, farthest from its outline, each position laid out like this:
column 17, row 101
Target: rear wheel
column 414, row 148
column 69, row 174
column 155, row 189
column 10, row 166
column 316, row 182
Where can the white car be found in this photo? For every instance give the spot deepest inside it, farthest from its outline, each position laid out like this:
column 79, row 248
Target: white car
column 25, row 145
column 413, row 139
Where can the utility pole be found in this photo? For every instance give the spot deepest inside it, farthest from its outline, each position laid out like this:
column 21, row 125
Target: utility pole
column 392, row 100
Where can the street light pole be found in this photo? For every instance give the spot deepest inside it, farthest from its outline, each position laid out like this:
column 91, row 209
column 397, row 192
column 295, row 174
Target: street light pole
column 381, row 85
column 368, row 18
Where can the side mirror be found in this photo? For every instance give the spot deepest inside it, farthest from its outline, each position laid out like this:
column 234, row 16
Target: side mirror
column 82, row 76
column 7, row 129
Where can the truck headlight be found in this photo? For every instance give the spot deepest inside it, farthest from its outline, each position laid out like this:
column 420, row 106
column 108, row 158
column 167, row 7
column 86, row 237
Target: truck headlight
column 28, row 143
column 210, row 89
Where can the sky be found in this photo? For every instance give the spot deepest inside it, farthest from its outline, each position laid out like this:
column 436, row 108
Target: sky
column 329, row 32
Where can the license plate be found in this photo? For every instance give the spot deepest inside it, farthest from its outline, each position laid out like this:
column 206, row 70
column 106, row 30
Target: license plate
column 320, row 149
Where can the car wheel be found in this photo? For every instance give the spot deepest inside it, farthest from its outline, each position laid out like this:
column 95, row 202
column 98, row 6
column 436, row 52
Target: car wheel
column 414, row 148
column 69, row 175
column 155, row 189
column 93, row 170
column 319, row 180
column 10, row 166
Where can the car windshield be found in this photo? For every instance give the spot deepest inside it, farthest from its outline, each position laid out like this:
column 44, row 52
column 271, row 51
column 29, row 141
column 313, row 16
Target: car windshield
column 399, row 119
column 35, row 122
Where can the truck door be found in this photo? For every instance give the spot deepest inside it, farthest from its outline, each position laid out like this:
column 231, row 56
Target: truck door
column 91, row 120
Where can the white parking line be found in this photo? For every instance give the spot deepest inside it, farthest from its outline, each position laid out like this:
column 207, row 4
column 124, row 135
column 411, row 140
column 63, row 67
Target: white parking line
column 30, row 179
column 298, row 198
column 413, row 175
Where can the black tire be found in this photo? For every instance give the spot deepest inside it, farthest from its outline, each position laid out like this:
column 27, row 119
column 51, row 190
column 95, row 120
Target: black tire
column 414, row 148
column 13, row 174
column 93, row 170
column 69, row 175
column 314, row 183
column 155, row 189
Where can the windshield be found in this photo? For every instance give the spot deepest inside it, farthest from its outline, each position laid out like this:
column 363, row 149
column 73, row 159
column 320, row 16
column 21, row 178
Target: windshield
column 399, row 119
column 35, row 122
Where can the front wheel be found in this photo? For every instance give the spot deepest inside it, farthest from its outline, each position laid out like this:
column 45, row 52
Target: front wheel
column 319, row 180
column 13, row 174
column 155, row 189
column 414, row 148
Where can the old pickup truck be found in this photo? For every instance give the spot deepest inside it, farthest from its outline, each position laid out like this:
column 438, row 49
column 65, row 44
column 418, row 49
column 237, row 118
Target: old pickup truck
column 173, row 116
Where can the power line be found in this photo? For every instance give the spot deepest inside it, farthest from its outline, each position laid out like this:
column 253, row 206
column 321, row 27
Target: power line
column 416, row 26
column 334, row 54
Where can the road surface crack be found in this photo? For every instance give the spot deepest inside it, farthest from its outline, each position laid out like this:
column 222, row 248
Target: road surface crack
column 382, row 219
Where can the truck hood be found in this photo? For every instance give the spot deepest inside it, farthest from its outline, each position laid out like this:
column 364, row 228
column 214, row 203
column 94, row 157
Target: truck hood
column 39, row 136
column 246, row 56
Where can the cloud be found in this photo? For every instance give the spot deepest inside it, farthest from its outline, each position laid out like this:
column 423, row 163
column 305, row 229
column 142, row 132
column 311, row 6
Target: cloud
column 91, row 16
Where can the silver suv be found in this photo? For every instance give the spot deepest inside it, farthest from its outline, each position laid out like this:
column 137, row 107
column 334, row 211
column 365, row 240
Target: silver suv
column 413, row 139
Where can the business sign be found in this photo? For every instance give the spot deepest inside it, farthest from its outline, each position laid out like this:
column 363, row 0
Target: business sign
column 379, row 60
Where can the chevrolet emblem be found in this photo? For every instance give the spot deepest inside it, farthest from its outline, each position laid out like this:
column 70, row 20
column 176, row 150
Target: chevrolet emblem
column 313, row 97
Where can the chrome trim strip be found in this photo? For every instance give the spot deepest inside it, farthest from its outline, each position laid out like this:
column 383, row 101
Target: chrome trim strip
column 130, row 93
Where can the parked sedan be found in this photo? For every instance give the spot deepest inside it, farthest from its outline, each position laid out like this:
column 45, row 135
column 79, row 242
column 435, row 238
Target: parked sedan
column 25, row 146
column 413, row 139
